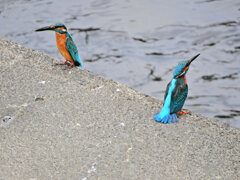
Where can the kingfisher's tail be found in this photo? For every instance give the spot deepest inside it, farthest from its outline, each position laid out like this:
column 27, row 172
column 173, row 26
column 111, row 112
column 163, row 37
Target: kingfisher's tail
column 78, row 62
column 170, row 118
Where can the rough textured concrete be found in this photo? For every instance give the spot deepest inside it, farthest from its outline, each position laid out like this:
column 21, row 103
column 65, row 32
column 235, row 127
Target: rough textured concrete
column 77, row 125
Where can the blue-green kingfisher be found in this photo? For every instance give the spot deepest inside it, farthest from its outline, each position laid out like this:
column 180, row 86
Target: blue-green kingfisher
column 65, row 44
column 176, row 94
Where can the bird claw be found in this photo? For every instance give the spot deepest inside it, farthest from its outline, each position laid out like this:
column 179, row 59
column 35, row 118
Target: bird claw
column 62, row 63
column 69, row 67
column 183, row 113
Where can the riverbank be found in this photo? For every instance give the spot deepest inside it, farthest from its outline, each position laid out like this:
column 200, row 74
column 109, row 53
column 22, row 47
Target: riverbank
column 78, row 125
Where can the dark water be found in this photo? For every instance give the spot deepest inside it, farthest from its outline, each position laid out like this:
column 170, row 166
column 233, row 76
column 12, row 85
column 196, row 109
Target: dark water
column 139, row 42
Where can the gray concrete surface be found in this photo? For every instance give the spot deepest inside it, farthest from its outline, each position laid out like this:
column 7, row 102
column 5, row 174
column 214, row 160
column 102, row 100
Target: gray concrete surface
column 74, row 124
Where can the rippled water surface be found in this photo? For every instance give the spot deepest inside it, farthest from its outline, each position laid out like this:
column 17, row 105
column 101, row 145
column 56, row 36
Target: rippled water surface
column 139, row 42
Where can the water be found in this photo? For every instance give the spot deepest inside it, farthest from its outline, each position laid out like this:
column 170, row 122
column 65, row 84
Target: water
column 139, row 42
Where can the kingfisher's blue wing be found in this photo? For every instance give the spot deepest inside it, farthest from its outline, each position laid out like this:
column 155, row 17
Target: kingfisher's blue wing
column 72, row 49
column 178, row 98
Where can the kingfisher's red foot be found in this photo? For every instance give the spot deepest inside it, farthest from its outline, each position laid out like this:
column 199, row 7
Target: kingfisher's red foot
column 182, row 112
column 62, row 63
column 69, row 67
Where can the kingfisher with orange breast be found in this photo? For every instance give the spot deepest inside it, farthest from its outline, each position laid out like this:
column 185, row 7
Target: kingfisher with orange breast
column 65, row 44
column 176, row 94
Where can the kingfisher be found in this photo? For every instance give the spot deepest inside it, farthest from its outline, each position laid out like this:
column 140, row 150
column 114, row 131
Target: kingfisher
column 65, row 44
column 175, row 94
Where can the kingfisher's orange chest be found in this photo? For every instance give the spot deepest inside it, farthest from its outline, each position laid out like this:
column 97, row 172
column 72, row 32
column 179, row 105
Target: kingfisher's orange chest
column 62, row 47
column 185, row 79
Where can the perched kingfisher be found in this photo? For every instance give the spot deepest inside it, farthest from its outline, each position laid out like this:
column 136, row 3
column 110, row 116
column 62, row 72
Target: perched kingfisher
column 65, row 44
column 176, row 94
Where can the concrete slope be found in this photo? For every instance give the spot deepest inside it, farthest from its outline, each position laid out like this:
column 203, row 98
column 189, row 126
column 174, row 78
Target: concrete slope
column 57, row 124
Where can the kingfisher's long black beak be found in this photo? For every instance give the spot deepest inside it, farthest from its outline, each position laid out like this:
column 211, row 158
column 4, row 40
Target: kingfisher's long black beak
column 191, row 60
column 47, row 28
